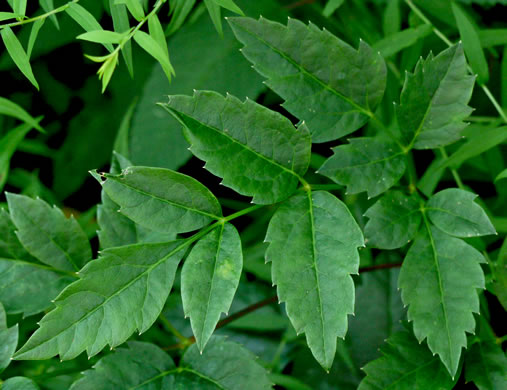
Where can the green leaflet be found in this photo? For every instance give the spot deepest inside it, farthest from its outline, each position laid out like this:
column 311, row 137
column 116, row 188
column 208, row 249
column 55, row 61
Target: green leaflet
column 405, row 365
column 209, row 280
column 129, row 367
column 26, row 285
column 324, row 81
column 222, row 365
column 145, row 366
column 439, row 280
column 455, row 212
column 365, row 164
column 122, row 291
column 12, row 109
column 47, row 234
column 8, row 144
column 394, row 221
column 115, row 228
column 313, row 247
column 19, row 383
column 433, row 102
column 258, row 152
column 400, row 40
column 8, row 340
column 161, row 199
column 121, row 24
column 486, row 366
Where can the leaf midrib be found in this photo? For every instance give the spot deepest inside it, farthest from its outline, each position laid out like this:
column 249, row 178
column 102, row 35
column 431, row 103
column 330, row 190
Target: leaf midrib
column 307, row 73
column 224, row 134
column 163, row 200
column 440, row 286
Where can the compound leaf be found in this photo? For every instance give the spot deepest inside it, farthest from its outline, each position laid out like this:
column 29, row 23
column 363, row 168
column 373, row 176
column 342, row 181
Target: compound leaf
column 365, row 164
column 434, row 100
column 8, row 340
column 455, row 212
column 394, row 221
column 161, row 199
column 120, row 292
column 45, row 232
column 129, row 367
column 324, row 81
column 209, row 280
column 258, row 152
column 313, row 249
column 439, row 280
column 405, row 364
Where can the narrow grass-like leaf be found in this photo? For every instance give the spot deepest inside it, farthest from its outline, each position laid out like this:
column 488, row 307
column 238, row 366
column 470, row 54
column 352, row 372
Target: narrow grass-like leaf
column 161, row 199
column 324, row 81
column 86, row 20
column 405, row 365
column 157, row 33
column 12, row 109
column 455, row 212
column 101, row 36
column 7, row 16
column 8, row 144
column 471, row 44
column 256, row 151
column 493, row 37
column 394, row 221
column 153, row 48
column 215, row 14
column 439, row 280
column 331, row 7
column 121, row 24
column 47, row 234
column 230, row 5
column 19, row 7
column 434, row 100
column 313, row 241
column 179, row 12
column 135, row 8
column 117, row 294
column 48, row 6
column 34, row 32
column 365, row 164
column 18, row 54
column 391, row 21
column 8, row 340
column 209, row 280
column 398, row 41
column 130, row 367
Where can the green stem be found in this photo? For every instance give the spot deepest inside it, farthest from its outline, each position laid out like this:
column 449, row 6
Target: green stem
column 172, row 329
column 441, row 35
column 454, row 172
column 43, row 16
column 326, row 187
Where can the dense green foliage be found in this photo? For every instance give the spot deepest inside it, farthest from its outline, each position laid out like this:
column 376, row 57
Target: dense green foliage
column 294, row 251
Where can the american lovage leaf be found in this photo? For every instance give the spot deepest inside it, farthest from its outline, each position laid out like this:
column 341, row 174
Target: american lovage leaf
column 121, row 292
column 393, row 221
column 405, row 364
column 115, row 228
column 455, row 212
column 324, row 81
column 434, row 100
column 256, row 151
column 141, row 365
column 439, row 279
column 366, row 164
column 8, row 340
column 161, row 199
column 313, row 241
column 209, row 279
column 47, row 234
